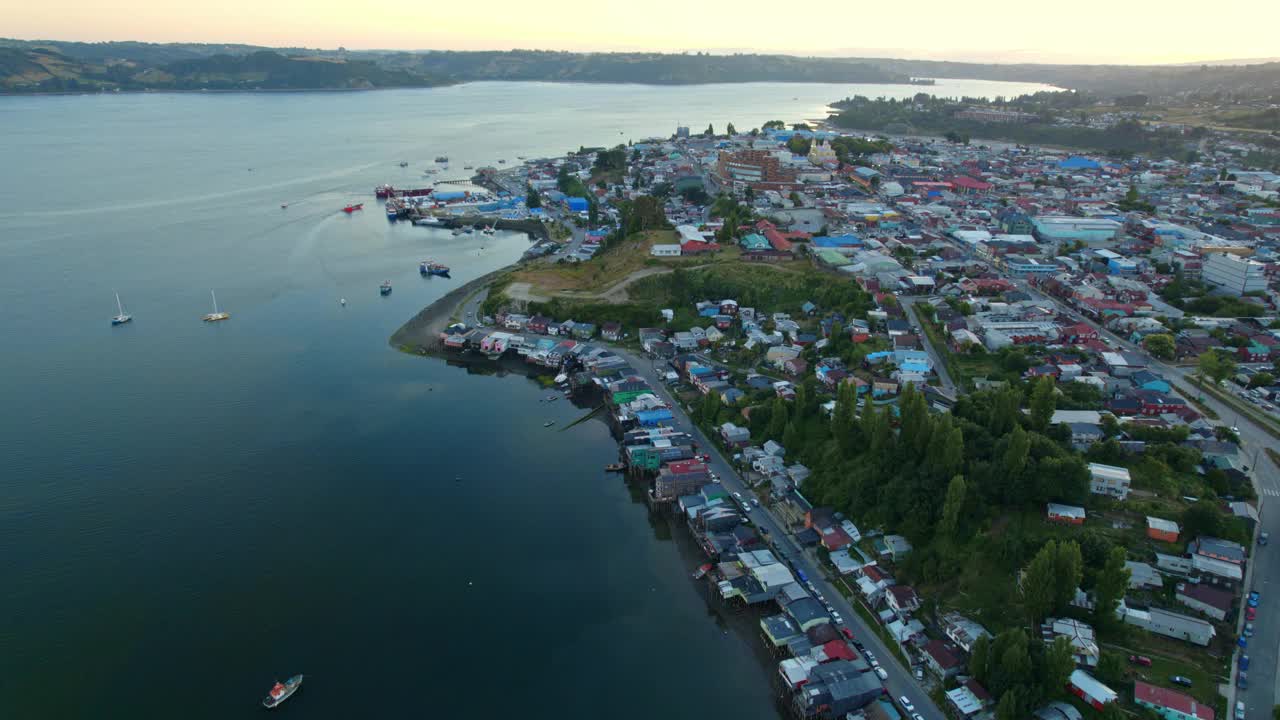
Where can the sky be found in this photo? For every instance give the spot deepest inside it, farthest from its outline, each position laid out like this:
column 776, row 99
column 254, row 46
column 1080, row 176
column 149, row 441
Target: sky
column 1082, row 31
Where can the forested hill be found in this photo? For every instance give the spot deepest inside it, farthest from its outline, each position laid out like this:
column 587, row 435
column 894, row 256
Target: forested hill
column 653, row 68
column 46, row 70
column 52, row 66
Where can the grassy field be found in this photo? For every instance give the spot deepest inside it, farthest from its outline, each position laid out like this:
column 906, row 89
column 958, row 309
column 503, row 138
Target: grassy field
column 630, row 259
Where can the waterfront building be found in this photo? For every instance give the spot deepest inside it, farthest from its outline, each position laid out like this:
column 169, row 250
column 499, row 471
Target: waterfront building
column 1170, row 704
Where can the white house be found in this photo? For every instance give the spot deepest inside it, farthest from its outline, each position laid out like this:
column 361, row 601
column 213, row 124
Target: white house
column 665, row 251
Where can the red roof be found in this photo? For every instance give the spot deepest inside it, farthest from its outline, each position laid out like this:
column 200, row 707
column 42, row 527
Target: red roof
column 969, row 183
column 837, row 539
column 775, row 238
column 941, row 654
column 687, row 466
column 698, row 246
column 838, row 650
column 1172, row 699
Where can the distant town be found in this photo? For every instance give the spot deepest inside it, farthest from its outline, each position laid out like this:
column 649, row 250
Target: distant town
column 978, row 429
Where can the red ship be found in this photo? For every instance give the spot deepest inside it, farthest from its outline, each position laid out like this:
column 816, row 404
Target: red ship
column 352, row 208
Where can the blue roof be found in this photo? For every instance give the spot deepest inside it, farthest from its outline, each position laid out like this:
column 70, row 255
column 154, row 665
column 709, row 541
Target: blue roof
column 1079, row 163
column 659, row 414
column 845, row 240
column 577, row 203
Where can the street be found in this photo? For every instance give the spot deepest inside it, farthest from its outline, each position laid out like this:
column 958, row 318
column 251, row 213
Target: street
column 900, row 682
column 939, row 366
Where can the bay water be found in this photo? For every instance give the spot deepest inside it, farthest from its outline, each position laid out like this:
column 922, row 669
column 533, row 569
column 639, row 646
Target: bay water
column 189, row 512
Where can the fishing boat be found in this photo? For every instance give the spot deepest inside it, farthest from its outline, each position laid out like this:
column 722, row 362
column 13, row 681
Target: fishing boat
column 502, row 162
column 442, row 159
column 430, row 267
column 282, row 691
column 121, row 317
column 489, row 230
column 702, row 571
column 385, row 287
column 352, row 208
column 216, row 315
column 614, row 467
column 468, row 167
column 404, row 164
column 457, row 231
column 426, row 220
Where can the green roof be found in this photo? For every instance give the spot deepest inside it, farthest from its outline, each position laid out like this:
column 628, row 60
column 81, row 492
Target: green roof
column 755, row 242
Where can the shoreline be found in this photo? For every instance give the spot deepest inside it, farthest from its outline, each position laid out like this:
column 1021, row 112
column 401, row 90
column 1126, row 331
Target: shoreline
column 420, row 334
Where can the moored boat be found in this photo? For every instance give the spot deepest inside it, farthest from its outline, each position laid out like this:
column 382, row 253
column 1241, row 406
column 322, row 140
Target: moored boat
column 352, row 208
column 121, row 317
column 430, row 267
column 385, row 287
column 216, row 315
column 282, row 691
column 442, row 159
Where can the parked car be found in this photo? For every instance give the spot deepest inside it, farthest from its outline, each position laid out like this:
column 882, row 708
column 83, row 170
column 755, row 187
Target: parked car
column 1264, row 538
column 849, row 634
column 917, row 716
column 1239, row 710
column 907, row 704
column 1242, row 680
column 1251, row 613
column 1254, row 599
column 1248, row 629
column 1180, row 680
column 880, row 673
column 1244, row 662
column 1142, row 660
column 919, row 673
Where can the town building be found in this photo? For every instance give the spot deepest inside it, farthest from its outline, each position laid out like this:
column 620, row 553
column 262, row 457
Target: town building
column 1170, row 704
column 1233, row 274
column 1109, row 480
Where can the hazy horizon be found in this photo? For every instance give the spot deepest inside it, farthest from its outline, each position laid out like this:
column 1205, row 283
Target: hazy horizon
column 1095, row 32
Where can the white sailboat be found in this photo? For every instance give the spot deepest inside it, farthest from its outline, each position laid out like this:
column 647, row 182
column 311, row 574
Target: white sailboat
column 121, row 316
column 215, row 316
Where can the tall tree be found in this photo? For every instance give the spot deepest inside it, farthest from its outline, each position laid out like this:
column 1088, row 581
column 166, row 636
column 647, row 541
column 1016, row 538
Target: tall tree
column 532, row 198
column 730, row 130
column 979, row 658
column 1059, row 661
column 1044, row 399
column 1160, row 345
column 778, row 420
column 1014, row 462
column 711, row 407
column 1112, row 581
column 710, row 131
column 949, row 526
column 1039, row 588
column 1068, row 571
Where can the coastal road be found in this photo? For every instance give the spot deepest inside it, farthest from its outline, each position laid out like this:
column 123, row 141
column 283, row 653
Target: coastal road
column 1264, row 571
column 944, row 377
column 900, row 682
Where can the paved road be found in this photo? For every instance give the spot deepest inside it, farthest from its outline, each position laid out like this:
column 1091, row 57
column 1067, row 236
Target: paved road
column 938, row 365
column 900, row 682
column 1264, row 571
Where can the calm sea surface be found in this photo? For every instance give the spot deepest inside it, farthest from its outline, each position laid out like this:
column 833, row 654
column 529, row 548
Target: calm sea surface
column 188, row 512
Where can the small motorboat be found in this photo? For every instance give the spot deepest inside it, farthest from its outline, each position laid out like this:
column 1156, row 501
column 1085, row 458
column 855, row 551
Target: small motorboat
column 284, row 206
column 548, row 423
column 385, row 288
column 490, row 230
column 282, row 691
column 614, row 467
column 352, row 208
column 442, row 159
column 502, row 162
column 404, row 164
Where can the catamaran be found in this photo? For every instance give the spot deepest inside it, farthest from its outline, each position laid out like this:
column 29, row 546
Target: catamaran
column 122, row 317
column 215, row 316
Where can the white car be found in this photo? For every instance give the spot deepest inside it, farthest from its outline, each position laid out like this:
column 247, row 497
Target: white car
column 907, row 704
column 755, row 502
column 880, row 673
column 1239, row 710
column 737, row 495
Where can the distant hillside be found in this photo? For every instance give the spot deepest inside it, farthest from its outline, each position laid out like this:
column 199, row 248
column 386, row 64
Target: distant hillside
column 52, row 65
column 44, row 70
column 1258, row 80
column 652, row 68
